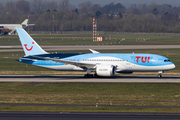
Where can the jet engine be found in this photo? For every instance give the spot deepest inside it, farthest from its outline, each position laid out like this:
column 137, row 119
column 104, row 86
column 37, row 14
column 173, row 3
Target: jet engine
column 105, row 70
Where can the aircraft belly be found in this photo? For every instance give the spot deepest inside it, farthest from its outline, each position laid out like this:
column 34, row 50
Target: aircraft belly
column 140, row 68
column 62, row 67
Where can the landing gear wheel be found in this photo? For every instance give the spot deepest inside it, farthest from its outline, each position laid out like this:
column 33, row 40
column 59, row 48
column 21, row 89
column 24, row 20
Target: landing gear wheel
column 91, row 75
column 85, row 76
column 160, row 72
column 95, row 75
column 159, row 76
column 88, row 75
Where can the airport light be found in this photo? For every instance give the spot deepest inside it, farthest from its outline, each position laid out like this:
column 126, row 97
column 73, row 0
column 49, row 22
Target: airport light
column 53, row 24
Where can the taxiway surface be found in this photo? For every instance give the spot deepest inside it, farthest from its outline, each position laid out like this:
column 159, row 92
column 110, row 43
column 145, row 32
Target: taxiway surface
column 80, row 78
column 85, row 116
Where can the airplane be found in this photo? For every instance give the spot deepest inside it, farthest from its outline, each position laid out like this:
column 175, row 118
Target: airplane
column 11, row 28
column 102, row 64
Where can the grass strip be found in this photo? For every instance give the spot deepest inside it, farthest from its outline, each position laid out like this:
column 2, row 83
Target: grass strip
column 121, row 94
column 88, row 109
column 79, row 39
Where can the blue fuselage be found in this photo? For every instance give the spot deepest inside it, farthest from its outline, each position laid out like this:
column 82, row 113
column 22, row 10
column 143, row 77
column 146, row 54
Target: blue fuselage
column 123, row 61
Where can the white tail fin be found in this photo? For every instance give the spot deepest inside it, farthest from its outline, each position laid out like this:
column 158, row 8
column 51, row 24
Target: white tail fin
column 25, row 22
column 30, row 47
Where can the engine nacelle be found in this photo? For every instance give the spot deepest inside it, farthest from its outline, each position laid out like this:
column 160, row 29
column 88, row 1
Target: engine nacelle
column 105, row 70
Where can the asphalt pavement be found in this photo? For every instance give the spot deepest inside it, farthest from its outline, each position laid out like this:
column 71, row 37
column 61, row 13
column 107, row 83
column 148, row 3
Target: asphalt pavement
column 86, row 116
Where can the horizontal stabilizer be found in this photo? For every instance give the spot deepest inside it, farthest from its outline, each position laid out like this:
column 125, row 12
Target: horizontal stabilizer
column 21, row 59
column 12, row 58
column 28, row 59
column 31, row 24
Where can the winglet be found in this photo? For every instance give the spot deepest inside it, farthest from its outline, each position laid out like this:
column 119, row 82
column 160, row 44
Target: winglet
column 94, row 51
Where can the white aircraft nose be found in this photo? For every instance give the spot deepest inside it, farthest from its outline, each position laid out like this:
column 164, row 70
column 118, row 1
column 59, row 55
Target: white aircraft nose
column 173, row 66
column 169, row 67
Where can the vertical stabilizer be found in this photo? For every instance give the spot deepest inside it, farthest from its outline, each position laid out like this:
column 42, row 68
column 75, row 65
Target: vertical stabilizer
column 25, row 22
column 30, row 47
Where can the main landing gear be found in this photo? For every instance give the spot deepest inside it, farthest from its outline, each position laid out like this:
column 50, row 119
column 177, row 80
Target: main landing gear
column 159, row 75
column 90, row 75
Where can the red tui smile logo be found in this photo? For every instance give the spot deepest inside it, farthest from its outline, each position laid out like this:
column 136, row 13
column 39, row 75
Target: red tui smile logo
column 27, row 48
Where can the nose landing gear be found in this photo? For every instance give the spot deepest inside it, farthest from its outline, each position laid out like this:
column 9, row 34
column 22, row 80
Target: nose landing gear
column 159, row 75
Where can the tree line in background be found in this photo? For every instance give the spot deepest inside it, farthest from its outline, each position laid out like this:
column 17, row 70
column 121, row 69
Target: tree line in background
column 111, row 17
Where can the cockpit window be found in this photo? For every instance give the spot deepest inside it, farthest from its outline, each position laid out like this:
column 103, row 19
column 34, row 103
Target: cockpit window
column 167, row 60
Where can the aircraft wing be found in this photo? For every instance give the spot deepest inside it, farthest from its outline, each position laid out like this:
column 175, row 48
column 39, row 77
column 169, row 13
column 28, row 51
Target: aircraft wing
column 78, row 64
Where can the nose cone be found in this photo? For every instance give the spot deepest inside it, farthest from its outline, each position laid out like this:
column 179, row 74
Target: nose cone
column 173, row 66
column 169, row 67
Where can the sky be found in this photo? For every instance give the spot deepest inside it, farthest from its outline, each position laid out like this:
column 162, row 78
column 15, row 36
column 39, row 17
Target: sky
column 126, row 3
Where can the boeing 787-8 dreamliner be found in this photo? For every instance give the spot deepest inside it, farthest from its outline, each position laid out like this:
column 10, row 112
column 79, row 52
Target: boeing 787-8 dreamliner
column 102, row 64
